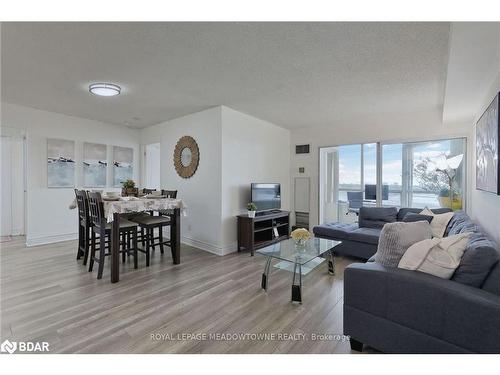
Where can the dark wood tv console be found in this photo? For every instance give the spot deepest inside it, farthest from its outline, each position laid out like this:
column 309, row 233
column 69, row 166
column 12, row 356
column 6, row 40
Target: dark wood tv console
column 258, row 232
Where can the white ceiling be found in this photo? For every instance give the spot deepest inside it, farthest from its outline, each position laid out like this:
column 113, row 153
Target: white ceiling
column 292, row 74
column 474, row 61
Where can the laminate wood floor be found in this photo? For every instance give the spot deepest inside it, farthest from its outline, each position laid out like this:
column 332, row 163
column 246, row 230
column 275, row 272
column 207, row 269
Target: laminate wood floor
column 46, row 295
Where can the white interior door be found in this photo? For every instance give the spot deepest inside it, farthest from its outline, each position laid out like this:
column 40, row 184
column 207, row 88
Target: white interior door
column 12, row 186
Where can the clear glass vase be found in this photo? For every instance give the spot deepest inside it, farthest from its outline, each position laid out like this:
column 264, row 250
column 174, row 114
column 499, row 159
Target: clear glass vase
column 300, row 244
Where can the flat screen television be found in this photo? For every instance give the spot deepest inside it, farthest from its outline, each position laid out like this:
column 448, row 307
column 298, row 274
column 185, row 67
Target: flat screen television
column 371, row 192
column 266, row 196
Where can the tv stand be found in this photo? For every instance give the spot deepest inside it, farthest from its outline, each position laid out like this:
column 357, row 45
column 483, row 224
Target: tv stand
column 263, row 230
column 264, row 213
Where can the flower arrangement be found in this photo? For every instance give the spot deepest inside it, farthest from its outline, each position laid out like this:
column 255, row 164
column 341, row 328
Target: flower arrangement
column 300, row 236
column 129, row 188
column 128, row 184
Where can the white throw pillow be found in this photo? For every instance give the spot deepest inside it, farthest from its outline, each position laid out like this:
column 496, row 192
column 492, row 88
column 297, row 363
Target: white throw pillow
column 438, row 256
column 439, row 222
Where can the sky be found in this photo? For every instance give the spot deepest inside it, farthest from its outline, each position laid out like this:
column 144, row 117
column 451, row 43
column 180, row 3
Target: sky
column 350, row 159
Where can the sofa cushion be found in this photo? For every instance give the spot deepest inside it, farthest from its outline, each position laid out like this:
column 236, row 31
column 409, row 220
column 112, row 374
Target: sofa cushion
column 403, row 211
column 461, row 223
column 480, row 255
column 410, row 217
column 338, row 231
column 376, row 217
column 477, row 261
column 492, row 282
column 396, row 238
column 368, row 235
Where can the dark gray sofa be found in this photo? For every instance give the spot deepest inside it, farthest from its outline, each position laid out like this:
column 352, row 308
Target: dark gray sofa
column 361, row 240
column 399, row 311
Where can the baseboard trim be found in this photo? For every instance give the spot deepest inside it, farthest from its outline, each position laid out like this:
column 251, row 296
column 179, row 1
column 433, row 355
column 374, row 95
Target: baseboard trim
column 205, row 246
column 45, row 240
column 231, row 248
column 217, row 250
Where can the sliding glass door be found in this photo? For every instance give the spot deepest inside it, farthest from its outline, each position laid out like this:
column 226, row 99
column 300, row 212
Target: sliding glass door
column 413, row 174
column 348, row 180
column 436, row 170
column 350, row 170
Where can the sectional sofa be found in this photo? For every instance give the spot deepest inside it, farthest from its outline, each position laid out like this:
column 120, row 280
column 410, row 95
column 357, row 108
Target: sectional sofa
column 360, row 239
column 399, row 311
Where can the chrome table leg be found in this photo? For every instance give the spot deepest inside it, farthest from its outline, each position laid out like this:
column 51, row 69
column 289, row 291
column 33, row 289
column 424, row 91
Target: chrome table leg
column 297, row 289
column 331, row 263
column 265, row 275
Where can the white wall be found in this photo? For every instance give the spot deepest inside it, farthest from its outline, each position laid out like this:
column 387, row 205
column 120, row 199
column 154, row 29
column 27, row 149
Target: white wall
column 202, row 192
column 235, row 150
column 484, row 207
column 48, row 217
column 386, row 128
column 152, row 179
column 253, row 150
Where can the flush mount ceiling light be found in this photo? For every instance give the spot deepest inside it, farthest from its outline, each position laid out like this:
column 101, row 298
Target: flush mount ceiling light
column 105, row 89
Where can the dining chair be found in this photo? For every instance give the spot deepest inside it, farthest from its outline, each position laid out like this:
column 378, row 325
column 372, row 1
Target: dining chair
column 148, row 224
column 169, row 193
column 84, row 226
column 103, row 229
column 146, row 191
column 165, row 213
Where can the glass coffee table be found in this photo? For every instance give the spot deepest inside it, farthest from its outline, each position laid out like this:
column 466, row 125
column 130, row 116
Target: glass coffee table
column 288, row 251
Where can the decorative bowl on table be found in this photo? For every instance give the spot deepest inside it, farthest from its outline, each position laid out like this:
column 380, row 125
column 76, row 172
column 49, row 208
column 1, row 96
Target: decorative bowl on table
column 300, row 236
column 111, row 196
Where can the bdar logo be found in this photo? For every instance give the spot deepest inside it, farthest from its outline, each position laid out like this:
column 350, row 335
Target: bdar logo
column 9, row 347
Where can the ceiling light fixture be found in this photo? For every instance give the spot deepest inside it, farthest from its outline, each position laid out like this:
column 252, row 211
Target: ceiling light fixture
column 105, row 89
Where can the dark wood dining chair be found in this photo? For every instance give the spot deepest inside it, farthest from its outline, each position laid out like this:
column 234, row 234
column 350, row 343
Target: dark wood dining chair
column 103, row 229
column 165, row 213
column 146, row 191
column 84, row 226
column 148, row 224
column 169, row 193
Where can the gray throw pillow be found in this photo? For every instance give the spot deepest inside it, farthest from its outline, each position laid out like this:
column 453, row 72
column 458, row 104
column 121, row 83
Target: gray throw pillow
column 411, row 218
column 396, row 238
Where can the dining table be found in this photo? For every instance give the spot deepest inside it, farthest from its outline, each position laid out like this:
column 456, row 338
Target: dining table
column 115, row 207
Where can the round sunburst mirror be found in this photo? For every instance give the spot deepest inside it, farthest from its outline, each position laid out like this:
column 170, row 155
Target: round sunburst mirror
column 186, row 156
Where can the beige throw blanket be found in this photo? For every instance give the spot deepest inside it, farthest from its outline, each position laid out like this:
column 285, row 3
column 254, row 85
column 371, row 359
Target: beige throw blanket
column 437, row 256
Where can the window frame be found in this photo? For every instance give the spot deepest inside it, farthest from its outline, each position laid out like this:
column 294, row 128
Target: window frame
column 379, row 165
